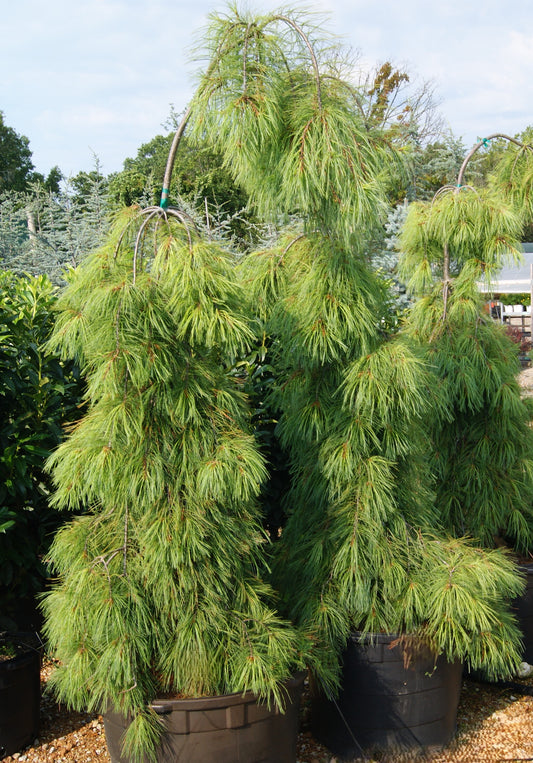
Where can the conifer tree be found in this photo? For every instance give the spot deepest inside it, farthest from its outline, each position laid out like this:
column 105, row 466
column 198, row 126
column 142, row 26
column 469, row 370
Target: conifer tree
column 480, row 436
column 13, row 227
column 45, row 232
column 362, row 548
column 160, row 583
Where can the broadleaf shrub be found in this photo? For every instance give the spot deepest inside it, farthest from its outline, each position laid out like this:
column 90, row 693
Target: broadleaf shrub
column 39, row 393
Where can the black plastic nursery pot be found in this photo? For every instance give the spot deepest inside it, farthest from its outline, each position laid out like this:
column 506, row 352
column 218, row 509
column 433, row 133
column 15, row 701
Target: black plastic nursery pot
column 523, row 607
column 386, row 705
column 232, row 728
column 20, row 694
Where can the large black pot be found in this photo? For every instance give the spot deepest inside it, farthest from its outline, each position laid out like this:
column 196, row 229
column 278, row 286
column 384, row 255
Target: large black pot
column 232, row 728
column 20, row 694
column 523, row 607
column 385, row 705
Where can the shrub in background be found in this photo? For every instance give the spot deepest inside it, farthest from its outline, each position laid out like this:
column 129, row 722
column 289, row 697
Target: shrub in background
column 38, row 393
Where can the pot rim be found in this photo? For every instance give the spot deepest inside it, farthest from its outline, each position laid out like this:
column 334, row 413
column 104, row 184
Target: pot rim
column 163, row 704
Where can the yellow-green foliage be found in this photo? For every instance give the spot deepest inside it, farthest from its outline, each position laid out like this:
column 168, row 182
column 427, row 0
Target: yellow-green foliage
column 158, row 585
column 288, row 127
column 479, row 229
column 360, row 539
column 513, row 176
column 479, row 435
column 350, row 398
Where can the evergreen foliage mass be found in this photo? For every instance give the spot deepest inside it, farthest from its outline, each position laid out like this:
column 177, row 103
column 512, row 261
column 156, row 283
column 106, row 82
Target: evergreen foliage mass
column 480, row 435
column 287, row 129
column 45, row 232
column 15, row 159
column 362, row 540
column 362, row 532
column 159, row 583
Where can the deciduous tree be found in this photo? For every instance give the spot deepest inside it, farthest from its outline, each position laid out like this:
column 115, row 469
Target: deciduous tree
column 16, row 164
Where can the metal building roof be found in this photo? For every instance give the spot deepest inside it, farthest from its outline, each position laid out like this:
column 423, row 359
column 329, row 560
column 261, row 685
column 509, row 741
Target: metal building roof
column 513, row 278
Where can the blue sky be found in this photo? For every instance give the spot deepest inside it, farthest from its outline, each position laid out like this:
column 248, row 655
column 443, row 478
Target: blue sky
column 97, row 77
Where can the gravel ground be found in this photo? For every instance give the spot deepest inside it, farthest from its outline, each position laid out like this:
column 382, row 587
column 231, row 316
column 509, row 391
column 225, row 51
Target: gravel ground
column 495, row 724
column 526, row 380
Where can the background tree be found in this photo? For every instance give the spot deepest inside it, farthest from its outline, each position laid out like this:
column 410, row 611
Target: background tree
column 39, row 394
column 199, row 180
column 52, row 182
column 13, row 227
column 86, row 215
column 391, row 100
column 16, row 164
column 384, row 257
column 44, row 231
column 436, row 165
column 406, row 111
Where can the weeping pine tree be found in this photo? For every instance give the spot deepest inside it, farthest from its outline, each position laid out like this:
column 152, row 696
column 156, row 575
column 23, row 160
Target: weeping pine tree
column 480, row 434
column 159, row 580
column 363, row 548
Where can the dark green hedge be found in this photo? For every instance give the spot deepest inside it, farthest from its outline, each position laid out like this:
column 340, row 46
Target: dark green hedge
column 38, row 394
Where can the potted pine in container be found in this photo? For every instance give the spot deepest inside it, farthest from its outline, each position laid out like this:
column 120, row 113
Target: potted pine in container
column 363, row 553
column 482, row 444
column 159, row 591
column 161, row 615
column 363, row 562
column 480, row 437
